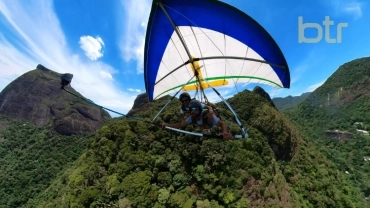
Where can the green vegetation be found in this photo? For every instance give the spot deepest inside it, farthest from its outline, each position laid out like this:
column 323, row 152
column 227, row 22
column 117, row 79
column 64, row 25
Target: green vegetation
column 289, row 101
column 30, row 158
column 341, row 104
column 132, row 164
column 127, row 163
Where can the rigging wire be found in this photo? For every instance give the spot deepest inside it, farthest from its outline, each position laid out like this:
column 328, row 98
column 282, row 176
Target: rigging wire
column 170, row 100
column 149, row 122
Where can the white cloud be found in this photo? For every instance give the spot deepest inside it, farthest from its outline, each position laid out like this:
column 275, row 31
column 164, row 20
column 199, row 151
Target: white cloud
column 134, row 90
column 133, row 37
column 351, row 7
column 10, row 66
column 30, row 34
column 354, row 9
column 92, row 46
column 106, row 75
column 314, row 86
column 297, row 72
column 308, row 63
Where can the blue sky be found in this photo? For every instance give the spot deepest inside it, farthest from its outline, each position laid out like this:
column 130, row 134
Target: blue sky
column 102, row 42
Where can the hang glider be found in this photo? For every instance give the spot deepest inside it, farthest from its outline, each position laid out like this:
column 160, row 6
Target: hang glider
column 193, row 45
column 210, row 38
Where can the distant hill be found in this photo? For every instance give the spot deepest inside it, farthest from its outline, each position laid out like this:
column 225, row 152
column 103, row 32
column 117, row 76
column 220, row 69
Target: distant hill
column 341, row 101
column 133, row 164
column 36, row 97
column 289, row 101
column 341, row 104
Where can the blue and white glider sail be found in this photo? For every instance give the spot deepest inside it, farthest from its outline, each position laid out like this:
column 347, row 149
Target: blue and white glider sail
column 211, row 39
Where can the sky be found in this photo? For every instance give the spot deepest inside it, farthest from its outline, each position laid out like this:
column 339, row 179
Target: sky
column 102, row 42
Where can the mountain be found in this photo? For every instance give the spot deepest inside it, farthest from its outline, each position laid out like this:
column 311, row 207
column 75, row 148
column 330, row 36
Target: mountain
column 289, row 101
column 132, row 164
column 42, row 131
column 341, row 105
column 36, row 96
column 260, row 91
column 129, row 163
column 341, row 101
column 141, row 103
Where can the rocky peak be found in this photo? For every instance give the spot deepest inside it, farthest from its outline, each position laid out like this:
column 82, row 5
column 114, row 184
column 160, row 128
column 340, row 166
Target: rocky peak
column 141, row 103
column 36, row 96
column 260, row 91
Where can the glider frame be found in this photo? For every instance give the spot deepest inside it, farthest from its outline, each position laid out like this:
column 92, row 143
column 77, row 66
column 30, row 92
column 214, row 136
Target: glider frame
column 191, row 61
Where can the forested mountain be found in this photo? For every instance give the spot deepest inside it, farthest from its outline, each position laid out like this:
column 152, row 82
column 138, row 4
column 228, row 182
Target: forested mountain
column 128, row 163
column 131, row 164
column 341, row 104
column 36, row 96
column 31, row 157
column 283, row 103
column 42, row 130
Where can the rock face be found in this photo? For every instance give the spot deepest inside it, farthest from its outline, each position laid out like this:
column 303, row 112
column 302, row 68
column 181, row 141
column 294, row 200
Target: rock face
column 142, row 103
column 139, row 103
column 36, row 96
column 260, row 91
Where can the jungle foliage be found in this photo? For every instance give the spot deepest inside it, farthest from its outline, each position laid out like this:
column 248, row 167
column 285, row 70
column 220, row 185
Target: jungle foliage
column 342, row 104
column 285, row 162
column 31, row 157
column 132, row 164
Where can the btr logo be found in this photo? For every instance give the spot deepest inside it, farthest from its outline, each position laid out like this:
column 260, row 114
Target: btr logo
column 326, row 23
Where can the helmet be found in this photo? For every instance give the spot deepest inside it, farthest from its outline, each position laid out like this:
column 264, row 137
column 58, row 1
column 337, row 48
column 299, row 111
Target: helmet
column 195, row 103
column 184, row 95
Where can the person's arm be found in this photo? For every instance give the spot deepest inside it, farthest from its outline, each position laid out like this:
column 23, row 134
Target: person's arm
column 222, row 125
column 210, row 113
column 210, row 109
column 226, row 135
column 177, row 125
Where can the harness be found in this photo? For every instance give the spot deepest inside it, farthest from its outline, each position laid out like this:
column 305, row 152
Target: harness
column 187, row 111
column 204, row 119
